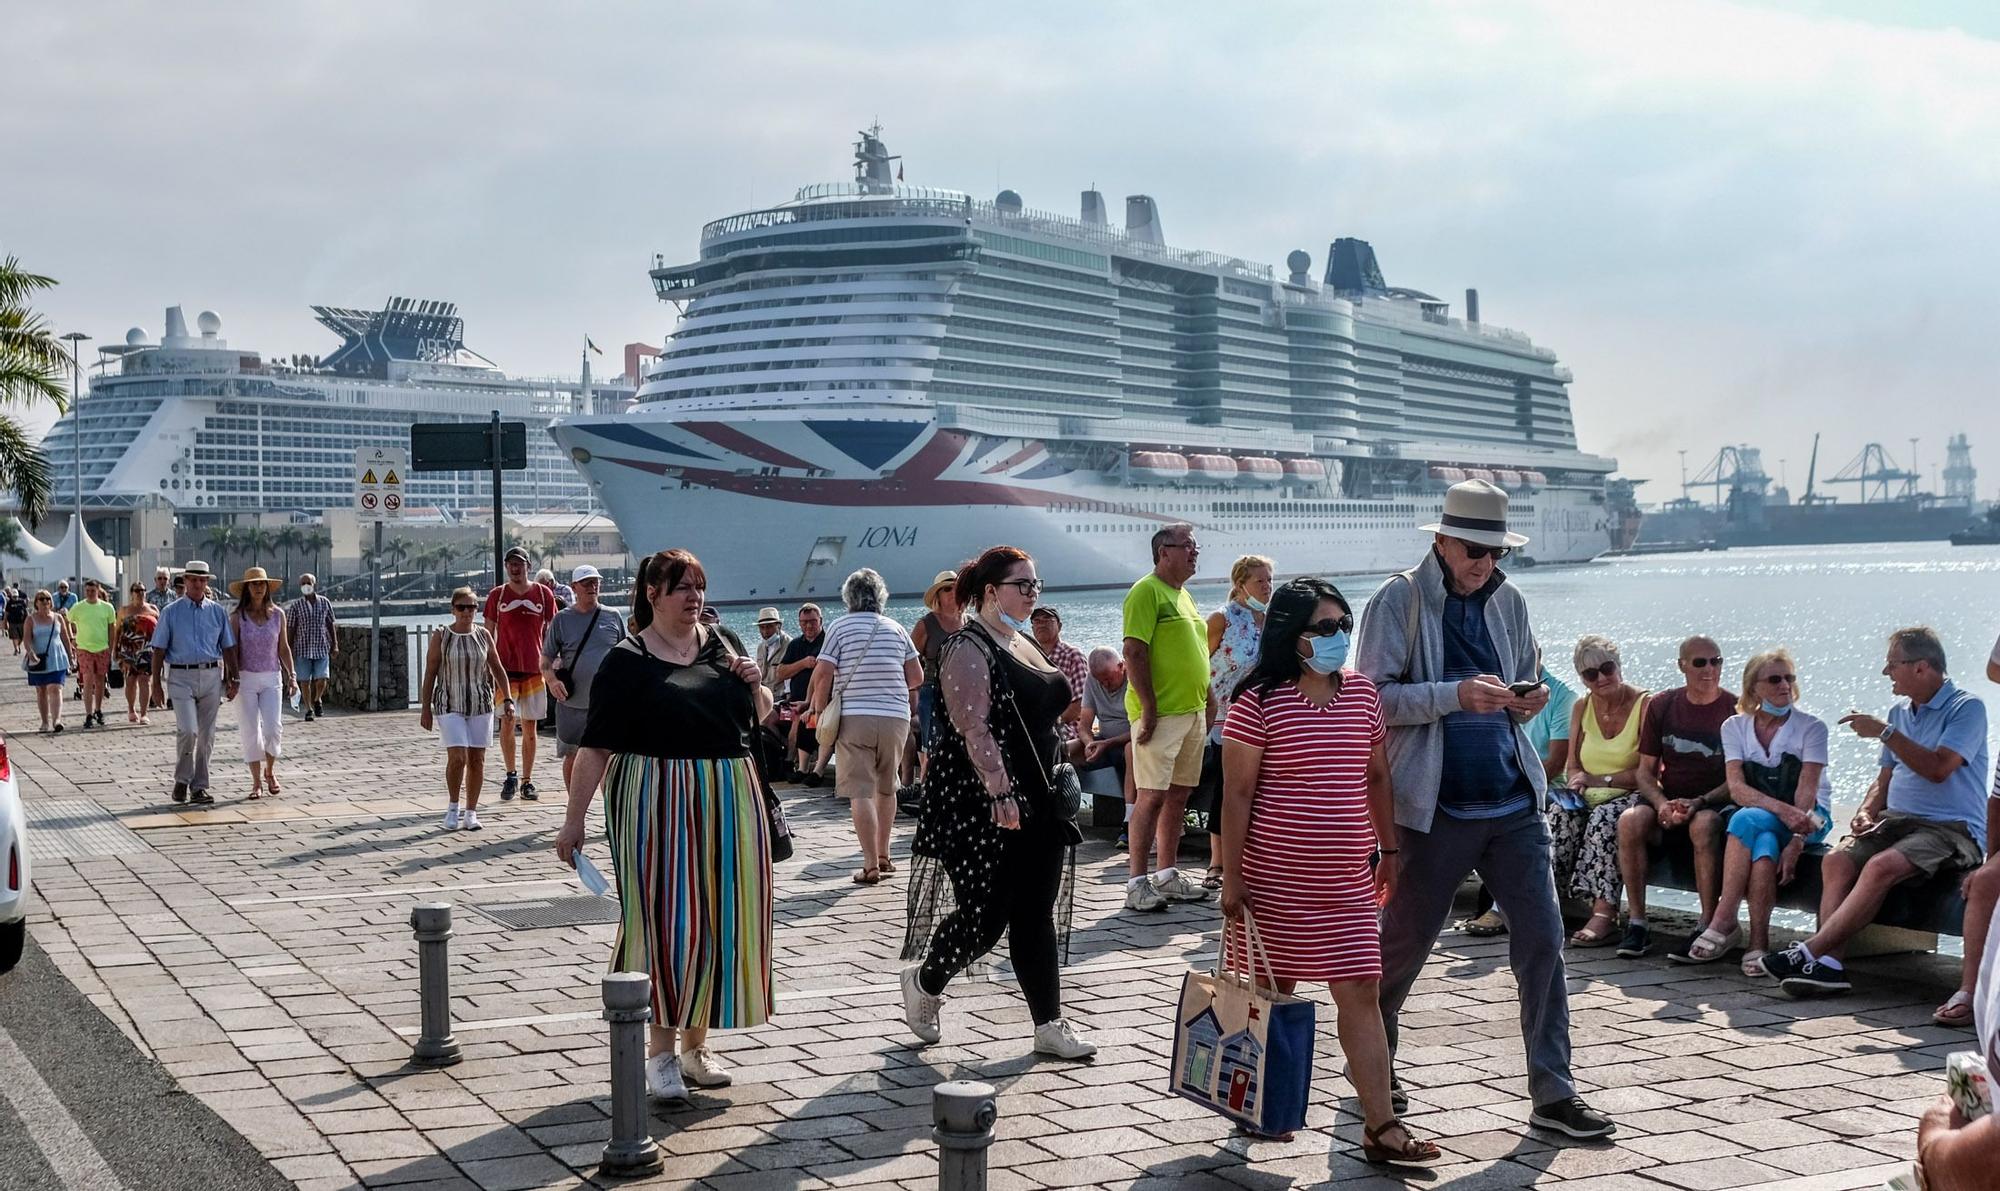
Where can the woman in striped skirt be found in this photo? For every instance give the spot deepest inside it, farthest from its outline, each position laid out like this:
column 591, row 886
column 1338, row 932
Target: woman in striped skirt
column 672, row 712
column 1308, row 839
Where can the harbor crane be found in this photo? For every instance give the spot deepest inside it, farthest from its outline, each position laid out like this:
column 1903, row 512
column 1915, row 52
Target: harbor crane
column 1879, row 476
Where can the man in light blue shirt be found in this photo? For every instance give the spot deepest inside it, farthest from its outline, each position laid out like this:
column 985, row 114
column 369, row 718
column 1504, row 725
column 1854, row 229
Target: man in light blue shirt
column 188, row 649
column 1926, row 813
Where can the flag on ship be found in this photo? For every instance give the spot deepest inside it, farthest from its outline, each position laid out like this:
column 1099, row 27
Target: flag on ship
column 899, row 171
column 592, row 346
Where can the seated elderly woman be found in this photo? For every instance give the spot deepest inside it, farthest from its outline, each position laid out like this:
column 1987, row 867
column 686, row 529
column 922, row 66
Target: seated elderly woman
column 1775, row 752
column 1603, row 771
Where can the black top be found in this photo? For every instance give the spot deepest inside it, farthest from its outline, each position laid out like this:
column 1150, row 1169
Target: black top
column 644, row 704
column 798, row 650
column 1041, row 696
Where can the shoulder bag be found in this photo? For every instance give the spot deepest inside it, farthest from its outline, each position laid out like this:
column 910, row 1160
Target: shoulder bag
column 828, row 727
column 774, row 811
column 567, row 674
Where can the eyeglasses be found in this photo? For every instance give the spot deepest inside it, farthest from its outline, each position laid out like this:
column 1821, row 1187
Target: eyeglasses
column 1477, row 552
column 1608, row 670
column 465, row 607
column 1328, row 627
column 1902, row 661
column 1703, row 663
column 1188, row 545
column 1027, row 587
column 1779, row 679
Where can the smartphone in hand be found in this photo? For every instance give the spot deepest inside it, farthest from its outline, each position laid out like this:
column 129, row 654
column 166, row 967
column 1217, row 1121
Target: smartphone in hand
column 1522, row 688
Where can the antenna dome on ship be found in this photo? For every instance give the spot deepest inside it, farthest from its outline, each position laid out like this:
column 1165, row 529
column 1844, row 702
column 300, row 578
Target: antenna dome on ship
column 1300, row 261
column 209, row 323
column 136, row 337
column 1007, row 200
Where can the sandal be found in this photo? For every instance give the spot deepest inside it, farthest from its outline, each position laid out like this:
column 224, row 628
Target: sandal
column 1751, row 965
column 1413, row 1152
column 1214, row 878
column 868, row 876
column 272, row 787
column 886, row 866
column 1585, row 937
column 1708, row 946
column 1955, row 1012
column 256, row 792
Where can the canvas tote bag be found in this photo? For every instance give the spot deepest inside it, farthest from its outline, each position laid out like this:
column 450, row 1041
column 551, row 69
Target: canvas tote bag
column 1242, row 1051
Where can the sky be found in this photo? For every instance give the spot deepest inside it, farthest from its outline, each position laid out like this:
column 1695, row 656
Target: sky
column 1736, row 222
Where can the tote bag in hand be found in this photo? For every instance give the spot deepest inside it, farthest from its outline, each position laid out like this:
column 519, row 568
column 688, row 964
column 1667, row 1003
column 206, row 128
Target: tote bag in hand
column 1242, row 1051
column 827, row 730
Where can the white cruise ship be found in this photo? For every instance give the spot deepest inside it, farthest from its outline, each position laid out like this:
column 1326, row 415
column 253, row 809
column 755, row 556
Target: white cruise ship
column 883, row 375
column 218, row 431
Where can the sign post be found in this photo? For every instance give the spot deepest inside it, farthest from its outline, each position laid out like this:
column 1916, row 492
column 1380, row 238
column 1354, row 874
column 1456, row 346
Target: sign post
column 378, row 497
column 468, row 446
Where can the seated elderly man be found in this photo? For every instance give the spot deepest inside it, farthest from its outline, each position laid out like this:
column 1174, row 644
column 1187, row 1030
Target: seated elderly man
column 1926, row 813
column 1104, row 730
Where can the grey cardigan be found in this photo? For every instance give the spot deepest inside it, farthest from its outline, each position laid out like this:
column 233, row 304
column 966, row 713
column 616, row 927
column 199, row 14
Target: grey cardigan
column 1415, row 697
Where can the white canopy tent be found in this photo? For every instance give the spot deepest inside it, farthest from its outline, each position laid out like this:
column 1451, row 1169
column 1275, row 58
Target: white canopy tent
column 38, row 562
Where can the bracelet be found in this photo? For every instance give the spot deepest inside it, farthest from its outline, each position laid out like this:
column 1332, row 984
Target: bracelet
column 1388, row 851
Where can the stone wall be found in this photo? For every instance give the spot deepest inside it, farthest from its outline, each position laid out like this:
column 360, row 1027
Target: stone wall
column 348, row 686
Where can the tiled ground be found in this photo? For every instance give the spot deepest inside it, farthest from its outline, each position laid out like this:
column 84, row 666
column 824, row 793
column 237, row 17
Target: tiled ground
column 262, row 953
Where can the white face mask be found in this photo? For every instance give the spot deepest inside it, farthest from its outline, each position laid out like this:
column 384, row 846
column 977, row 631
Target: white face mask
column 305, row 589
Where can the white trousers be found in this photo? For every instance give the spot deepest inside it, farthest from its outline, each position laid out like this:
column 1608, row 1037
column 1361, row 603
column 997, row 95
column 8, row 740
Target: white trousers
column 259, row 702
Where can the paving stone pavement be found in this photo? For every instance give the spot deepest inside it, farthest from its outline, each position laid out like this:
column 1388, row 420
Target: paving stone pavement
column 261, row 952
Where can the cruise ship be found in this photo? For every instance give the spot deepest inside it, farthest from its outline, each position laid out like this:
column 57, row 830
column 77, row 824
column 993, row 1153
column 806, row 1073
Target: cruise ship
column 219, row 432
column 893, row 376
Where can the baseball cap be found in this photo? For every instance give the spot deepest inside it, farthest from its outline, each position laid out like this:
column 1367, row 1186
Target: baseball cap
column 1048, row 610
column 517, row 552
column 584, row 571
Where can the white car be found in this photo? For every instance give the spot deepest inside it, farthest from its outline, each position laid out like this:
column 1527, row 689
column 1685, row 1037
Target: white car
column 16, row 890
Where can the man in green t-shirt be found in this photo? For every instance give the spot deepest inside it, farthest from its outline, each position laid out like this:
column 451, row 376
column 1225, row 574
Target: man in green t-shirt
column 92, row 618
column 1166, row 664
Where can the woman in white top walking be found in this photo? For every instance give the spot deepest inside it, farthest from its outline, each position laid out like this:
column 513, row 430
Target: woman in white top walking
column 870, row 668
column 462, row 672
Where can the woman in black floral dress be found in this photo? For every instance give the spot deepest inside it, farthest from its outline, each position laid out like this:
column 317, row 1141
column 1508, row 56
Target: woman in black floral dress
column 989, row 822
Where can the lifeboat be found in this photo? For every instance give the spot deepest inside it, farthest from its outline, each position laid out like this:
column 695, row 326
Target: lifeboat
column 1449, row 475
column 1305, row 471
column 1534, row 479
column 1259, row 470
column 1157, row 467
column 1215, row 469
column 1478, row 473
column 1507, row 478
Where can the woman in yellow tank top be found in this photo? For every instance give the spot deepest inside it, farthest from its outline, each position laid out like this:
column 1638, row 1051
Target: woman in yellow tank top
column 1602, row 773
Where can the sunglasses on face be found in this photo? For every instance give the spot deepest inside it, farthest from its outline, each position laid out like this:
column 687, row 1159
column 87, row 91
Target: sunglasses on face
column 1328, row 627
column 1703, row 663
column 1607, row 670
column 1778, row 679
column 1027, row 587
column 465, row 607
column 1477, row 552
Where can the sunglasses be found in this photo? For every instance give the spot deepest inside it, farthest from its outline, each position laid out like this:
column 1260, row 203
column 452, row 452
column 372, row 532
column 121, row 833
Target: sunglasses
column 1779, row 679
column 1704, row 663
column 1328, row 627
column 1607, row 670
column 465, row 607
column 1027, row 587
column 1476, row 552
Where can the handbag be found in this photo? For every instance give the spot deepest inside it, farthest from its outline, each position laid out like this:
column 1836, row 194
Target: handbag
column 1243, row 1051
column 567, row 674
column 1065, row 787
column 827, row 729
column 780, row 827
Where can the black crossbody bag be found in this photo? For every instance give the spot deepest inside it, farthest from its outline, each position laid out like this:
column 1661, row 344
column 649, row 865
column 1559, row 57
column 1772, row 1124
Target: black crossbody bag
column 567, row 674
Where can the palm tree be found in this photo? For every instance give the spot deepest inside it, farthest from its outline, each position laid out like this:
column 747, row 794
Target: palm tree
column 316, row 540
column 220, row 541
column 400, row 550
column 288, row 538
column 32, row 364
column 254, row 540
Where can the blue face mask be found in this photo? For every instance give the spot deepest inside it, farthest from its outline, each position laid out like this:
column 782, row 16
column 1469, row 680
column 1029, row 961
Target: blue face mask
column 1328, row 653
column 1771, row 708
column 1254, row 604
column 1014, row 622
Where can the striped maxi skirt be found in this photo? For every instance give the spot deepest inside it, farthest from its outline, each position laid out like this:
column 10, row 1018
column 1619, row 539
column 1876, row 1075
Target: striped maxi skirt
column 692, row 853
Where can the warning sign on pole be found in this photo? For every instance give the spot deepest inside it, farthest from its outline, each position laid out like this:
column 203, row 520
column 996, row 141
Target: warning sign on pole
column 378, row 482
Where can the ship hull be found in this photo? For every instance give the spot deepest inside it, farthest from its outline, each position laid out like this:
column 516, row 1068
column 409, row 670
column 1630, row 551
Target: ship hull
column 781, row 508
column 1802, row 525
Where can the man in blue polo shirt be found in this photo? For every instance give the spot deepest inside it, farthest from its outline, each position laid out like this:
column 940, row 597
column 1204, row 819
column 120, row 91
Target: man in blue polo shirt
column 1926, row 814
column 187, row 650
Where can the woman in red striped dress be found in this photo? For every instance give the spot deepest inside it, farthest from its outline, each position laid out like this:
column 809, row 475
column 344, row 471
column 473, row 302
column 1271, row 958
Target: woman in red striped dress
column 1308, row 839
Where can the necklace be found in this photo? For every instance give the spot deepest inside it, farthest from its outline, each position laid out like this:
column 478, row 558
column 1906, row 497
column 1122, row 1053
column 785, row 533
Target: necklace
column 677, row 653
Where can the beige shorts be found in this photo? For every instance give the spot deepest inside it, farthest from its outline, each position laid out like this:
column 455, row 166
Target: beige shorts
column 868, row 754
column 1173, row 756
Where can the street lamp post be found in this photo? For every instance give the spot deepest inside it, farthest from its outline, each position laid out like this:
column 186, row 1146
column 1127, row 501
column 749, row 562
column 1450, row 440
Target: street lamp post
column 76, row 339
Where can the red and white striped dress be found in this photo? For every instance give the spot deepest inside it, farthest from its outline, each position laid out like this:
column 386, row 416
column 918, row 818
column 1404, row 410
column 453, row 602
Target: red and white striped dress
column 1305, row 863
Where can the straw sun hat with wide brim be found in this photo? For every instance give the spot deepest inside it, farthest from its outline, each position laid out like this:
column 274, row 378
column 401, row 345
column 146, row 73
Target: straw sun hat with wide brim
column 931, row 592
column 253, row 575
column 1476, row 511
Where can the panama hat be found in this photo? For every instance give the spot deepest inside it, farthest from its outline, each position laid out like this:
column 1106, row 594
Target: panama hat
column 769, row 616
column 1476, row 511
column 196, row 568
column 253, row 575
column 930, row 593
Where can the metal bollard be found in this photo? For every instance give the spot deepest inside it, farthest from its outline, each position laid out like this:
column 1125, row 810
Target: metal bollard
column 963, row 1112
column 628, row 1006
column 435, row 1046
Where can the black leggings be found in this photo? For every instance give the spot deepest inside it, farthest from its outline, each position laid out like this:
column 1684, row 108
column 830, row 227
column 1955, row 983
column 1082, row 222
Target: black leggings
column 1023, row 904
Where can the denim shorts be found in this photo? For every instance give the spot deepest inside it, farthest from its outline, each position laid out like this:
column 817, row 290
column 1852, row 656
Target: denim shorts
column 313, row 669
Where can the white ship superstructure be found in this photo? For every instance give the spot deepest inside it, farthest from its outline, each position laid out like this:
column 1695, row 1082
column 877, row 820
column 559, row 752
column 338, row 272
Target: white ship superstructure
column 883, row 375
column 219, row 431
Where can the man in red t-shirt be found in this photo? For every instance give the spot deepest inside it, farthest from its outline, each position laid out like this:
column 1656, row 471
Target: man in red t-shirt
column 518, row 612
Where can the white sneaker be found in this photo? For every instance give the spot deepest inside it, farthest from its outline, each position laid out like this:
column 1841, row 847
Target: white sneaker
column 704, row 1070
column 920, row 1009
column 1178, row 888
column 1140, row 895
column 451, row 818
column 471, row 821
column 663, row 1078
column 1059, row 1039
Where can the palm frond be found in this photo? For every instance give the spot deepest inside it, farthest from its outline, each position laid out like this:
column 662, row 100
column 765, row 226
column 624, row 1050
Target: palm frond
column 16, row 284
column 25, row 470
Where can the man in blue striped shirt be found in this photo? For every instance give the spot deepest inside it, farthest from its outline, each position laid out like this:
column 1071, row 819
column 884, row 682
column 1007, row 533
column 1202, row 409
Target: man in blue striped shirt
column 187, row 650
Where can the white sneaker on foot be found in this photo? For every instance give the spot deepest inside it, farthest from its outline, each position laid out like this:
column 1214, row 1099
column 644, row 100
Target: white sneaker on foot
column 1140, row 895
column 471, row 821
column 1178, row 888
column 451, row 818
column 663, row 1078
column 704, row 1070
column 1059, row 1039
column 920, row 1009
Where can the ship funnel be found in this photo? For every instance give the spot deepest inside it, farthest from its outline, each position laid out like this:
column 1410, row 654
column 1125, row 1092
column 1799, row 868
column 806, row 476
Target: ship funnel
column 1472, row 306
column 1093, row 208
column 177, row 327
column 1352, row 268
column 1142, row 219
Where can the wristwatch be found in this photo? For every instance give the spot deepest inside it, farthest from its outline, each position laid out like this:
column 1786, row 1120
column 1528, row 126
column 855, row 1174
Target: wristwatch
column 1888, row 730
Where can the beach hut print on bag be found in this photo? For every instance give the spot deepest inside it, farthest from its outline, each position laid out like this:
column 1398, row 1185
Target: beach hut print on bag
column 1204, row 1035
column 1219, row 1068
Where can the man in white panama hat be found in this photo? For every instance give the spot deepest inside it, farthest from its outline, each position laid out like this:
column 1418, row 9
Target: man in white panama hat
column 1449, row 646
column 188, row 649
